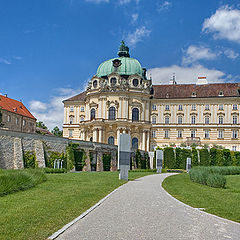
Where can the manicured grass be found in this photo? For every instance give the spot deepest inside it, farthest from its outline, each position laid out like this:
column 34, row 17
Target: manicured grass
column 40, row 211
column 218, row 201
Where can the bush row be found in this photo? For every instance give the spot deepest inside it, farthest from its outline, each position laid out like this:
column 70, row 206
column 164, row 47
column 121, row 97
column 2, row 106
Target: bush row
column 176, row 158
column 212, row 176
column 55, row 170
column 17, row 180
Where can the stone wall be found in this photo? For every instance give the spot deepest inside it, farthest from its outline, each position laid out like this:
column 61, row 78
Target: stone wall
column 14, row 144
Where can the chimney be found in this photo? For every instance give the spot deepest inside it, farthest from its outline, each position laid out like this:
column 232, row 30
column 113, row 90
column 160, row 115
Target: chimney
column 202, row 81
column 173, row 80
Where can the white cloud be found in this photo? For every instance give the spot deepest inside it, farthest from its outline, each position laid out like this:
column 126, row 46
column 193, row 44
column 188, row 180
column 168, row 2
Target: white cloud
column 195, row 53
column 51, row 112
column 231, row 54
column 224, row 24
column 161, row 6
column 97, row 1
column 134, row 17
column 137, row 36
column 122, row 2
column 6, row 61
column 186, row 75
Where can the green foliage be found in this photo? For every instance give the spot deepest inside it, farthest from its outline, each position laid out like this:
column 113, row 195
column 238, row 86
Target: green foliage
column 237, row 156
column 40, row 124
column 70, row 158
column 213, row 157
column 181, row 157
column 219, row 157
column 29, row 159
column 19, row 180
column 57, row 132
column 194, row 157
column 227, row 161
column 143, row 170
column 213, row 176
column 147, row 160
column 55, row 170
column 138, row 158
column 204, row 157
column 93, row 164
column 169, row 158
column 106, row 162
column 52, row 156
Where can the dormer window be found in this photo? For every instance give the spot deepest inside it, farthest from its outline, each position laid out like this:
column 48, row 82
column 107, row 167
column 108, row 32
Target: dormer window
column 221, row 93
column 135, row 82
column 194, row 94
column 95, row 83
column 113, row 81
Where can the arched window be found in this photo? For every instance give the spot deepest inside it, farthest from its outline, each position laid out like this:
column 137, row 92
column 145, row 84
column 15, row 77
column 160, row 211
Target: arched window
column 154, row 119
column 135, row 114
column 135, row 143
column 180, row 119
column 93, row 113
column 71, row 119
column 113, row 81
column 112, row 113
column 111, row 140
column 91, row 139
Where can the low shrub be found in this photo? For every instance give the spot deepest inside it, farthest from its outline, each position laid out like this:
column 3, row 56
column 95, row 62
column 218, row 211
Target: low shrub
column 19, row 180
column 29, row 159
column 55, row 170
column 176, row 170
column 143, row 170
column 216, row 180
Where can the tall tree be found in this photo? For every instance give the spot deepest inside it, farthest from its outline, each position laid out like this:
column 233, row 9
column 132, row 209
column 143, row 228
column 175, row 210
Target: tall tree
column 41, row 125
column 57, row 132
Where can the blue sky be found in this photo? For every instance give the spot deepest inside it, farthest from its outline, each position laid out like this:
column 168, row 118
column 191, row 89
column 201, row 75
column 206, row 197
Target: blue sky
column 49, row 49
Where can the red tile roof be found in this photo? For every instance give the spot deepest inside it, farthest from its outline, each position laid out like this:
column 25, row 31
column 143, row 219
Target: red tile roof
column 14, row 106
column 201, row 91
column 80, row 97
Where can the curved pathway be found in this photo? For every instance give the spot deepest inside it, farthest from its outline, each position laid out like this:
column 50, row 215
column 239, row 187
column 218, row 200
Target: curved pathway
column 142, row 209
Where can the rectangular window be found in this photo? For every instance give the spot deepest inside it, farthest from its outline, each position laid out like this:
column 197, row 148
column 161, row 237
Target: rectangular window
column 154, row 120
column 82, row 109
column 70, row 133
column 235, row 119
column 235, row 134
column 206, row 120
column 71, row 120
column 9, row 118
column 167, row 120
column 71, row 108
column 180, row 107
column 235, row 107
column 154, row 107
column 193, row 119
column 24, row 122
column 194, row 107
column 179, row 133
column 207, row 107
column 82, row 119
column 179, row 120
column 234, row 148
column 17, row 121
column 153, row 134
column 167, row 107
column 220, row 120
column 206, row 135
column 220, row 134
column 193, row 134
column 221, row 107
column 166, row 134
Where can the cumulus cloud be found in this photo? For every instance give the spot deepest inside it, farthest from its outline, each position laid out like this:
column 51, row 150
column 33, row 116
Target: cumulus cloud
column 224, row 24
column 231, row 54
column 138, row 35
column 195, row 53
column 51, row 112
column 97, row 1
column 161, row 6
column 186, row 75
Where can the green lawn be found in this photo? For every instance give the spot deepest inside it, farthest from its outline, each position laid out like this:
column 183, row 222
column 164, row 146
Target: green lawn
column 221, row 202
column 40, row 211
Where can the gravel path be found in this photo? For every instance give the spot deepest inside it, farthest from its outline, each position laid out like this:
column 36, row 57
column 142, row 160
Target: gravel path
column 141, row 209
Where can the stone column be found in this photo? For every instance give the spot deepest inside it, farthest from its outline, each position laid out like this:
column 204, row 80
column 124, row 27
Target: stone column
column 87, row 167
column 18, row 154
column 100, row 108
column 99, row 162
column 148, row 140
column 144, row 141
column 100, row 139
column 113, row 161
column 39, row 153
column 126, row 108
column 120, row 108
column 95, row 135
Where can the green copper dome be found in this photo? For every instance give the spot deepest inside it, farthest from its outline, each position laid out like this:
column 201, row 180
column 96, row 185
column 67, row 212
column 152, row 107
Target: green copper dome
column 123, row 65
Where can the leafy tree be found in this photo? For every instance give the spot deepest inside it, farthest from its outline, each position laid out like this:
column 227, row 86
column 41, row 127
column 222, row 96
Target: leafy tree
column 57, row 132
column 41, row 125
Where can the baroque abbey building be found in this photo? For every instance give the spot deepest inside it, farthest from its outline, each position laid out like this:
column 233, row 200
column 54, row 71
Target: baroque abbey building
column 121, row 99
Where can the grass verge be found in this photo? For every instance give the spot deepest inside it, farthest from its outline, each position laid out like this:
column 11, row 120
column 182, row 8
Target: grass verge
column 218, row 201
column 40, row 211
column 19, row 180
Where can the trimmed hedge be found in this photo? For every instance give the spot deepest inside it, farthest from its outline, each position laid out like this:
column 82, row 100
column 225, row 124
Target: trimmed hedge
column 55, row 170
column 204, row 157
column 169, row 158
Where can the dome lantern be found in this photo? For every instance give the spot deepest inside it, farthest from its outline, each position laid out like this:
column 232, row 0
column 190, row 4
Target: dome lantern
column 123, row 50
